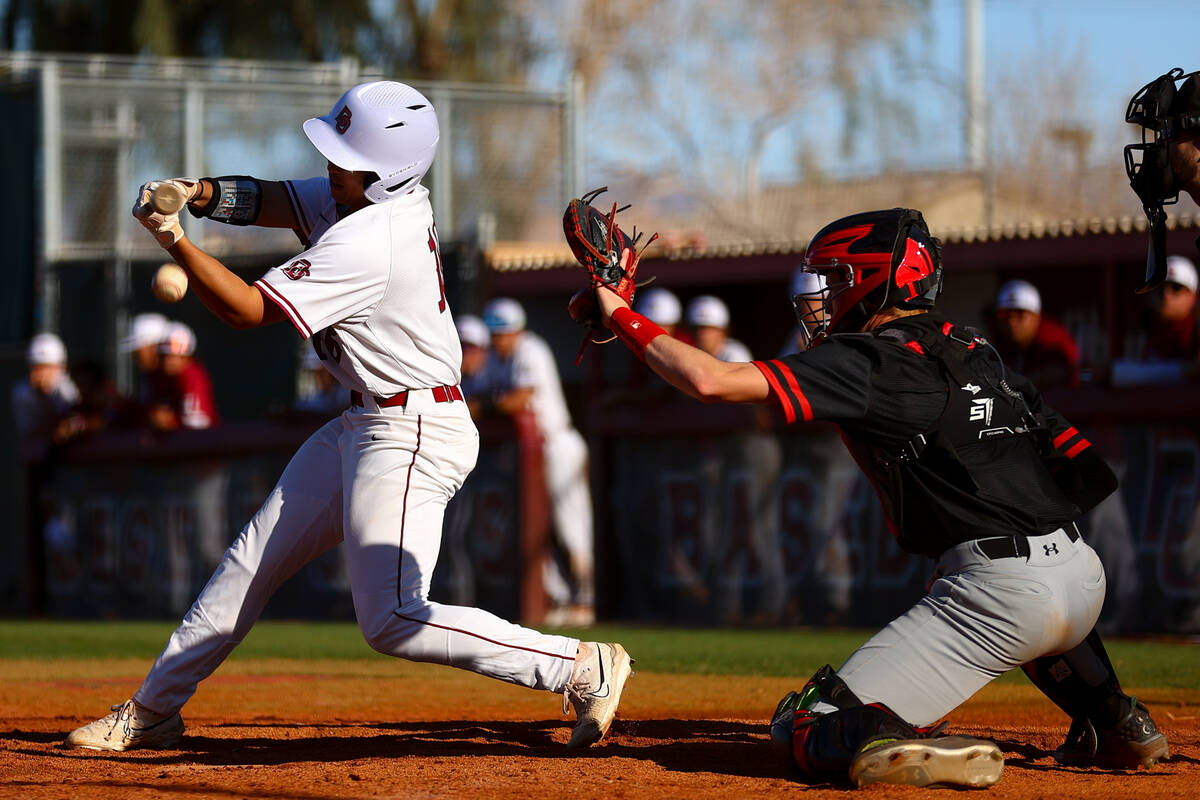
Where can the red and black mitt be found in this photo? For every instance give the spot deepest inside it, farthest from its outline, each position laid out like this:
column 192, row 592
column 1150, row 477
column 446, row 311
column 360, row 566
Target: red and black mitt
column 610, row 256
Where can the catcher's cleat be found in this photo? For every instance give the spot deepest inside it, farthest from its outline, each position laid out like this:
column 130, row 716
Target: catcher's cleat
column 1133, row 742
column 601, row 670
column 943, row 760
column 129, row 727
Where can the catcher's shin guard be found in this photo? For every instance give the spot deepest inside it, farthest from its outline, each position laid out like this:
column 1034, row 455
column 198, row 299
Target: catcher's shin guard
column 822, row 746
column 1108, row 727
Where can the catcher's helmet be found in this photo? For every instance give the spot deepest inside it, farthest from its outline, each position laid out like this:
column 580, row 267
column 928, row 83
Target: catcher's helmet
column 383, row 127
column 869, row 262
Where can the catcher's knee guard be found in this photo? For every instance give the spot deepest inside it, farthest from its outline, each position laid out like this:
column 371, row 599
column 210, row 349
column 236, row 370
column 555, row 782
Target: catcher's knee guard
column 822, row 746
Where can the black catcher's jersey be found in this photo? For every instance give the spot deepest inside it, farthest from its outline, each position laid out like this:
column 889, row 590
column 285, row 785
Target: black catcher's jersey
column 953, row 455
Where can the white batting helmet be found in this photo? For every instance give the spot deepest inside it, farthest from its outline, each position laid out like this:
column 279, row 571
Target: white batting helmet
column 384, row 127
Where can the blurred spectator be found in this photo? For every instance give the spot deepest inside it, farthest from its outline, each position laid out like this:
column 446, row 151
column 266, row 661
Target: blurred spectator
column 319, row 392
column 661, row 307
column 531, row 372
column 100, row 403
column 1034, row 345
column 477, row 370
column 186, row 397
column 44, row 401
column 1171, row 327
column 708, row 317
column 146, row 333
column 807, row 296
column 1168, row 338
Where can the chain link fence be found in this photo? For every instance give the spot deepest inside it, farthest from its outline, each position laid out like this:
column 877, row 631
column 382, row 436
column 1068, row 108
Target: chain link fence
column 108, row 124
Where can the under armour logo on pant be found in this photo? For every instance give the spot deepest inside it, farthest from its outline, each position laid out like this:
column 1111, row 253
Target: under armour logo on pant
column 1050, row 548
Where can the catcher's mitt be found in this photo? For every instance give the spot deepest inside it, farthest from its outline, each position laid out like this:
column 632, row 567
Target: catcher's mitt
column 610, row 256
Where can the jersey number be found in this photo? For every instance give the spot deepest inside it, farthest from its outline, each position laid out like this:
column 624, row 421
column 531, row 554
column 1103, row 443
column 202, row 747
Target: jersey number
column 437, row 257
column 326, row 343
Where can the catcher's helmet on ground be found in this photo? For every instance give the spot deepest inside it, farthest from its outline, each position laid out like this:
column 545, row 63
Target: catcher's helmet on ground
column 869, row 262
column 383, row 127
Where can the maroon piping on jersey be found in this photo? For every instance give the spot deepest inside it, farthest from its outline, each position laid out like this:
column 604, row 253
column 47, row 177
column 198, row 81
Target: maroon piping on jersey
column 298, row 209
column 285, row 305
column 783, row 383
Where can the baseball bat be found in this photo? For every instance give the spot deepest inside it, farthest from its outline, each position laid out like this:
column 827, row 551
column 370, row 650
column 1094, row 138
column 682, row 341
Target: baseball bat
column 167, row 198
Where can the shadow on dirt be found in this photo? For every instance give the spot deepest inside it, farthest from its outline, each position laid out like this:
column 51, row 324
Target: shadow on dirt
column 717, row 746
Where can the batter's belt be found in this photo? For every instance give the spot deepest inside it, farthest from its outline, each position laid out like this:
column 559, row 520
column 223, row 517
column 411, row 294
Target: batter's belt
column 441, row 394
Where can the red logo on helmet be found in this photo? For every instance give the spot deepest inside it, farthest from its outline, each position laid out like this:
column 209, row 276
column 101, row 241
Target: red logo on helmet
column 342, row 123
column 916, row 264
column 297, row 269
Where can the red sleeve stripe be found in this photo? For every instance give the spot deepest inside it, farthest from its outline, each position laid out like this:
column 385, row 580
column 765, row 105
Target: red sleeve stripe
column 297, row 208
column 789, row 413
column 269, row 292
column 1064, row 437
column 1078, row 447
column 805, row 406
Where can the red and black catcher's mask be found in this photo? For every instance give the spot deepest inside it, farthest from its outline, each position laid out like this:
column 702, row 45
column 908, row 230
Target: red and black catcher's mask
column 869, row 262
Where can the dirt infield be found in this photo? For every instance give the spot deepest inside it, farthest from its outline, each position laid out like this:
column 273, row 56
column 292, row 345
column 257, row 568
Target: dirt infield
column 310, row 730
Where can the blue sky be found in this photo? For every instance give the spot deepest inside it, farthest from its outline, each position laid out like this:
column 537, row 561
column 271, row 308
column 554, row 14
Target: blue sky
column 1120, row 44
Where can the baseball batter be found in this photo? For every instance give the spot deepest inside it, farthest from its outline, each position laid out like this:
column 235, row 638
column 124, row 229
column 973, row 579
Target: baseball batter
column 973, row 470
column 369, row 292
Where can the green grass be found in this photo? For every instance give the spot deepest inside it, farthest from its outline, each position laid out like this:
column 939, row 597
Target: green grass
column 706, row 651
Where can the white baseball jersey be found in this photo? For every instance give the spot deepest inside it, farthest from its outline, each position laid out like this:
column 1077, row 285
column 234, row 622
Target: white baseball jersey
column 374, row 306
column 533, row 367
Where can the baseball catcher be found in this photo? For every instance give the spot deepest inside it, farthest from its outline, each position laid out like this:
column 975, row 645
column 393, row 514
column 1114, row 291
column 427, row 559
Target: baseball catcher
column 975, row 471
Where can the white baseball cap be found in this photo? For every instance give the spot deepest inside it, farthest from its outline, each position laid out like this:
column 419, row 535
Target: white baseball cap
column 1182, row 271
column 1019, row 296
column 806, row 282
column 504, row 315
column 471, row 330
column 707, row 310
column 660, row 306
column 46, row 348
column 145, row 330
column 178, row 341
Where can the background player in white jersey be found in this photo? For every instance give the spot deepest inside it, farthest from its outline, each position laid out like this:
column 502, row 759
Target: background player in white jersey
column 708, row 317
column 532, row 383
column 369, row 292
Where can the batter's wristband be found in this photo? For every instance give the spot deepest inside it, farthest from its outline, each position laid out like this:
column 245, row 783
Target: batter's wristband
column 634, row 330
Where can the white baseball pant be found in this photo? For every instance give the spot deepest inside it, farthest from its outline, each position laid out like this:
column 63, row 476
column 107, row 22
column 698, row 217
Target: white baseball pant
column 380, row 479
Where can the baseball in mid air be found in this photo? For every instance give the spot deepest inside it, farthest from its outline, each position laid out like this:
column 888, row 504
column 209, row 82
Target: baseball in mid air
column 170, row 283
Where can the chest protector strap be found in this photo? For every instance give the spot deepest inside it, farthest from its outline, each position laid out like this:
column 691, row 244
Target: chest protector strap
column 971, row 379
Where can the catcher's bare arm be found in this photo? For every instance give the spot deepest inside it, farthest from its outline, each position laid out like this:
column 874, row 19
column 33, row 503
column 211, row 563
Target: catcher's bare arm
column 688, row 368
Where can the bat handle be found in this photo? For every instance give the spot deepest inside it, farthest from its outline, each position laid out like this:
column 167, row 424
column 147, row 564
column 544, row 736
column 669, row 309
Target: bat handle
column 168, row 198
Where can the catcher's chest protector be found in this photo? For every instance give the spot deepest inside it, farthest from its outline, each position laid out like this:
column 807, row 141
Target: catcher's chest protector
column 977, row 470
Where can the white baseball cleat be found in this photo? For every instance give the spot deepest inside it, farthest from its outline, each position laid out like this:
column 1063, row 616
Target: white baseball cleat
column 601, row 670
column 944, row 760
column 128, row 727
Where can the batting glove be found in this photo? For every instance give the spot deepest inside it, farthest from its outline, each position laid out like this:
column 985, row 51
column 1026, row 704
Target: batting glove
column 165, row 227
